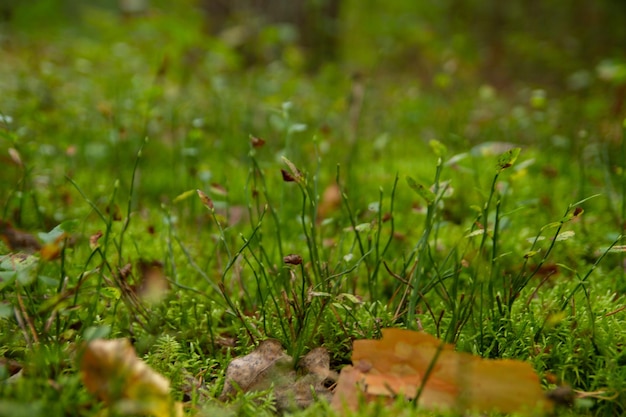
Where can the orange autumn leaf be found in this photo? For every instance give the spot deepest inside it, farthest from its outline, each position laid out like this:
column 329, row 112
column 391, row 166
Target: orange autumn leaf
column 52, row 250
column 397, row 365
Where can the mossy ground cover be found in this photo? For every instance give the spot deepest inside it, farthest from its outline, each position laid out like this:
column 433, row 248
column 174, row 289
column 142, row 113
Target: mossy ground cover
column 108, row 128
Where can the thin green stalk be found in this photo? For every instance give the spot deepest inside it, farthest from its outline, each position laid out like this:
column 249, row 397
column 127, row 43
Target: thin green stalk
column 520, row 281
column 274, row 215
column 421, row 249
column 103, row 248
column 199, row 270
column 494, row 255
column 583, row 281
column 309, row 234
column 623, row 219
column 427, row 373
column 377, row 254
column 351, row 217
column 480, row 282
column 229, row 265
column 272, row 295
column 130, row 201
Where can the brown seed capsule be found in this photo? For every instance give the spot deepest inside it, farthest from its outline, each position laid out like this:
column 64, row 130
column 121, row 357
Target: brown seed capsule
column 293, row 259
column 206, row 200
column 256, row 142
column 287, row 177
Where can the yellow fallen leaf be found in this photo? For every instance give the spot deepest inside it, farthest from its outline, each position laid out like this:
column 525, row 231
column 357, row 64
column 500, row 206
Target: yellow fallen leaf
column 52, row 250
column 111, row 370
column 397, row 365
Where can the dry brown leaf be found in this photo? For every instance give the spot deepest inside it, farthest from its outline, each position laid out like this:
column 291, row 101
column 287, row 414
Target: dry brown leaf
column 348, row 390
column 397, row 363
column 329, row 202
column 93, row 239
column 111, row 370
column 254, row 371
column 114, row 212
column 317, row 362
column 18, row 240
column 52, row 250
column 270, row 366
column 15, row 157
column 154, row 285
column 317, row 377
column 206, row 200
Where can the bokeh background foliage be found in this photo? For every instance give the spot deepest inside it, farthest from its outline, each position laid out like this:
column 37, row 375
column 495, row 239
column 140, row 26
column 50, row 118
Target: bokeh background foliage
column 362, row 85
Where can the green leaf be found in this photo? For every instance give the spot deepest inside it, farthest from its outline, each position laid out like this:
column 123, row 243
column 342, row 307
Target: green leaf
column 111, row 292
column 349, row 297
column 52, row 235
column 58, row 232
column 6, row 310
column 477, row 232
column 20, row 267
column 183, row 196
column 508, row 158
column 438, row 148
column 531, row 253
column 551, row 225
column 423, row 191
column 565, row 235
column 69, row 226
column 96, row 332
column 7, row 278
column 49, row 281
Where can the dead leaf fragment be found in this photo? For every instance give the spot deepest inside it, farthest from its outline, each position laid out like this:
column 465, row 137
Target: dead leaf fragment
column 11, row 366
column 18, row 240
column 251, row 372
column 313, row 384
column 52, row 250
column 114, row 212
column 317, row 362
column 93, row 239
column 329, row 202
column 270, row 366
column 154, row 285
column 15, row 157
column 397, row 364
column 111, row 370
column 206, row 200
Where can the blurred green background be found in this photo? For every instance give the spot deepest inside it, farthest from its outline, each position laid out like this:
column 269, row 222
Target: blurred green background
column 561, row 42
column 85, row 82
